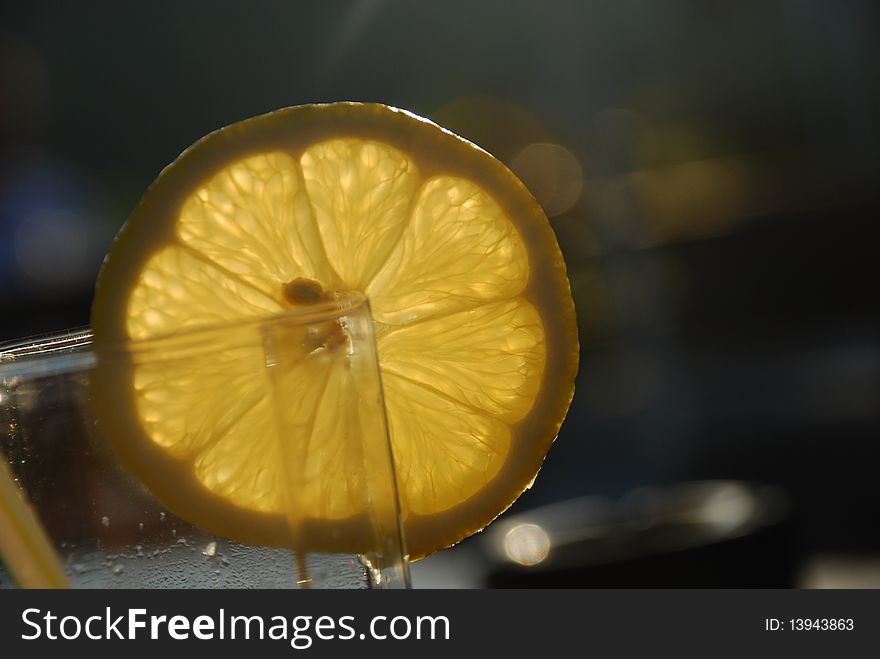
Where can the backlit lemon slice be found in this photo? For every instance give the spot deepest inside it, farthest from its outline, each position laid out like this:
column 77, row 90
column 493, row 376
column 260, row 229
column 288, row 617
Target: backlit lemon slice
column 476, row 327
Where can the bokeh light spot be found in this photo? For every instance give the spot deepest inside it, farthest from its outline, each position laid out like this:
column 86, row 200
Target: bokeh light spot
column 552, row 173
column 527, row 544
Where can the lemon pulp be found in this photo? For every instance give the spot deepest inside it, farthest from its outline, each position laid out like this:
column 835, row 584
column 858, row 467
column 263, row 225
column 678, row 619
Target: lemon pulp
column 476, row 334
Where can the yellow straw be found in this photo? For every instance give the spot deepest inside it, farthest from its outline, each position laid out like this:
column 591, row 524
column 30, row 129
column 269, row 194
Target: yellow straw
column 24, row 546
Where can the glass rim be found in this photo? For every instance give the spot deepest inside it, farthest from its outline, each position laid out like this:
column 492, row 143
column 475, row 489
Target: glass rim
column 80, row 341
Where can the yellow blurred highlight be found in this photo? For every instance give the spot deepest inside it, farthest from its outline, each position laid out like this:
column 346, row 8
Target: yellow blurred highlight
column 696, row 200
column 552, row 173
column 24, row 545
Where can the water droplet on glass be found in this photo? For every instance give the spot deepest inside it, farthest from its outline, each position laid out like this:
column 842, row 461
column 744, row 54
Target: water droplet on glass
column 161, row 517
column 139, row 551
column 105, row 521
column 210, row 549
column 118, row 569
column 140, row 526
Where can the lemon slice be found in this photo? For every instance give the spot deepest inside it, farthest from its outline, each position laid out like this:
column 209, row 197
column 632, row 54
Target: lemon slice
column 476, row 328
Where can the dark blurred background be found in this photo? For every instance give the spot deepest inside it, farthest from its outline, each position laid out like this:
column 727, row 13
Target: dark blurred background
column 711, row 172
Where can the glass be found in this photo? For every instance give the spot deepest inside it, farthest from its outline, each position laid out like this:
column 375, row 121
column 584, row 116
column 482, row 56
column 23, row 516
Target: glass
column 108, row 531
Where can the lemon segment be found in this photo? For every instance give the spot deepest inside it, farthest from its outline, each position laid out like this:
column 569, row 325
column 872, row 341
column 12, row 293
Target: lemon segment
column 458, row 251
column 183, row 422
column 490, row 358
column 231, row 463
column 361, row 193
column 180, row 290
column 452, row 451
column 225, row 221
column 318, row 465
